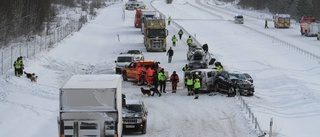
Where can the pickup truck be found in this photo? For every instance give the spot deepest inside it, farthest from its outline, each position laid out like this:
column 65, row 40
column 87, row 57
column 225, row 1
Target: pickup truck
column 131, row 71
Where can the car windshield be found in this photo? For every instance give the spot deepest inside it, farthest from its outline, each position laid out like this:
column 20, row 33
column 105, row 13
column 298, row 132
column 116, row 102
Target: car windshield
column 134, row 108
column 134, row 52
column 238, row 76
column 124, row 59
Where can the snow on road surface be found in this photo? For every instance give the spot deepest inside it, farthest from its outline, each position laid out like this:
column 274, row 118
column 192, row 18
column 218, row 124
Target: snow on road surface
column 286, row 82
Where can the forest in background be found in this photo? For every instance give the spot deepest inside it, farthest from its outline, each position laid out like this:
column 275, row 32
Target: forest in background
column 25, row 18
column 296, row 8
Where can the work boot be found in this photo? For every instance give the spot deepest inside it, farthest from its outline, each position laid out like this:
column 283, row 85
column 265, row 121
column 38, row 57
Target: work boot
column 188, row 94
column 191, row 94
column 159, row 95
column 164, row 92
column 195, row 97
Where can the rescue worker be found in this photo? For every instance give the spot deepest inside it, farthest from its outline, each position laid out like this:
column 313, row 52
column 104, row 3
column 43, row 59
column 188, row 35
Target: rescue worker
column 16, row 70
column 141, row 74
column 170, row 54
column 189, row 85
column 174, row 40
column 162, row 81
column 18, row 66
column 169, row 20
column 180, row 33
column 154, row 85
column 196, row 87
column 174, row 78
column 266, row 24
column 189, row 41
column 185, row 68
column 149, row 75
column 218, row 66
column 205, row 47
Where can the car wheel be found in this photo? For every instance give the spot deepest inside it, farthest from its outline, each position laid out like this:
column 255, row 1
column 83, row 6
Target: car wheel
column 144, row 130
column 124, row 76
column 216, row 88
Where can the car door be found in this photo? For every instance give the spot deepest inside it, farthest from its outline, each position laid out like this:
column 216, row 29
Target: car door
column 224, row 82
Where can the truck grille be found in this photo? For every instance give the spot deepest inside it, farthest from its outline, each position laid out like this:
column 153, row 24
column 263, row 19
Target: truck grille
column 131, row 121
column 157, row 43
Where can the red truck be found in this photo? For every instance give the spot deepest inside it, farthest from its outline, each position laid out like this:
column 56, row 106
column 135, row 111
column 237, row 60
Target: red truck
column 281, row 20
column 137, row 71
column 308, row 26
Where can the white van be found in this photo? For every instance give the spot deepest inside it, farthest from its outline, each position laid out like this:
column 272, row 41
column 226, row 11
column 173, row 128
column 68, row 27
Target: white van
column 206, row 77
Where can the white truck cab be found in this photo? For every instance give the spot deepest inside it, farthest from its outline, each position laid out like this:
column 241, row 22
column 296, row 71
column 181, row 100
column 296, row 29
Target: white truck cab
column 91, row 105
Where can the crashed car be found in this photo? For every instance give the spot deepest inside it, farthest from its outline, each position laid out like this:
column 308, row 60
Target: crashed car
column 192, row 49
column 197, row 65
column 232, row 82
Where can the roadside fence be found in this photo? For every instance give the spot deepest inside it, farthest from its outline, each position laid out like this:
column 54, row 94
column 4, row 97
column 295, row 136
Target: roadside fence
column 253, row 118
column 36, row 44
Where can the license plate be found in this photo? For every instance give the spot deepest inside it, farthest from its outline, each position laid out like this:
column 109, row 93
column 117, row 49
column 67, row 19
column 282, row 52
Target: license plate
column 129, row 126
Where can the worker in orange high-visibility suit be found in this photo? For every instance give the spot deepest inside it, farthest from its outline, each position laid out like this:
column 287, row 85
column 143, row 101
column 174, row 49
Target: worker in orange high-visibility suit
column 150, row 72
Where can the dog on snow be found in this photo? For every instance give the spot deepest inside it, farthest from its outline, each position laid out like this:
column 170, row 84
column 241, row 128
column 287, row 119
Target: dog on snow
column 145, row 91
column 31, row 76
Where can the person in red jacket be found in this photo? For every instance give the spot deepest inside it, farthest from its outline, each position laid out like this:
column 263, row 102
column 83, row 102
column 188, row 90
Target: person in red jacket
column 174, row 78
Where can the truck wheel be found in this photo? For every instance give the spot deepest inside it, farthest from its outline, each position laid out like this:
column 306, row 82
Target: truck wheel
column 124, row 76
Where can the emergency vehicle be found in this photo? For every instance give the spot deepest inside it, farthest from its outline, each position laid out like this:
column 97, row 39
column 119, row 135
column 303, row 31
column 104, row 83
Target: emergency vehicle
column 281, row 20
column 308, row 26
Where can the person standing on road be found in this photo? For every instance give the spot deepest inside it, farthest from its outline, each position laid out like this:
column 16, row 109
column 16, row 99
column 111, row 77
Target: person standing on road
column 170, row 54
column 180, row 33
column 189, row 85
column 174, row 78
column 169, row 20
column 205, row 47
column 185, row 68
column 196, row 87
column 189, row 41
column 154, row 85
column 266, row 24
column 18, row 66
column 162, row 81
column 174, row 40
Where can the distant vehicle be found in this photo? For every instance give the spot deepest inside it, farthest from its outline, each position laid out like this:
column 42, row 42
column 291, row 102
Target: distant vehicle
column 281, row 20
column 134, row 116
column 91, row 106
column 124, row 59
column 145, row 14
column 137, row 53
column 205, row 75
column 132, row 5
column 309, row 27
column 238, row 19
column 155, row 34
column 192, row 49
